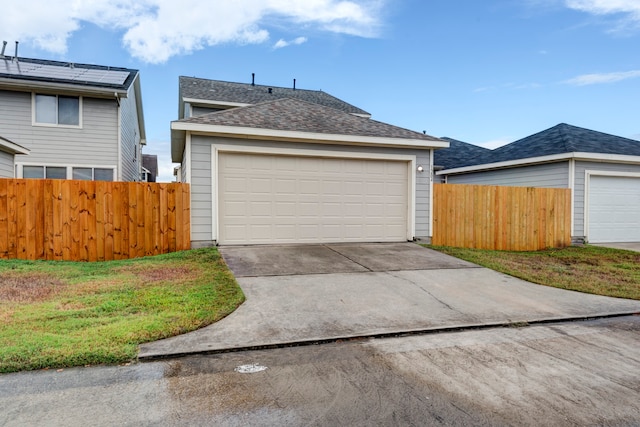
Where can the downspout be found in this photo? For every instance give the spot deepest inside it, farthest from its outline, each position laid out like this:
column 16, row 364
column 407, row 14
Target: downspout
column 119, row 167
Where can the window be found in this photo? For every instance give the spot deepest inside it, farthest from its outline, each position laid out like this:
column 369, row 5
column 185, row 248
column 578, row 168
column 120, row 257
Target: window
column 57, row 110
column 67, row 172
column 49, row 172
column 96, row 174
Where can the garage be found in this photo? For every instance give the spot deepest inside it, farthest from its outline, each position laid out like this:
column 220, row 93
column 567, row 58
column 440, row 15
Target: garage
column 269, row 199
column 614, row 209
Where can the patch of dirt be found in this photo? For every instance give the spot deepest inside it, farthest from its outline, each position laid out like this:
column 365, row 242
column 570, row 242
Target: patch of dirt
column 161, row 273
column 28, row 287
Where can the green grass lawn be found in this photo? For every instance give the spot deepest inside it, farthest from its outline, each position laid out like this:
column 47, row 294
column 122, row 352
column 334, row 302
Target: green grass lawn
column 591, row 269
column 61, row 314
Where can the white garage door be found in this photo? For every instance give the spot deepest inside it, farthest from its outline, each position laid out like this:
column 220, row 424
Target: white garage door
column 614, row 209
column 288, row 199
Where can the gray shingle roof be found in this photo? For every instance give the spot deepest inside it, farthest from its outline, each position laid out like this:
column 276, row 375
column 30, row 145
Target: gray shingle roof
column 216, row 90
column 295, row 115
column 40, row 70
column 458, row 152
column 560, row 139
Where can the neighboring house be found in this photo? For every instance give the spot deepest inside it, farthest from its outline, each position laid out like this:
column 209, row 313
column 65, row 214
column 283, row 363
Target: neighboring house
column 78, row 121
column 289, row 170
column 149, row 167
column 602, row 170
column 457, row 152
column 8, row 150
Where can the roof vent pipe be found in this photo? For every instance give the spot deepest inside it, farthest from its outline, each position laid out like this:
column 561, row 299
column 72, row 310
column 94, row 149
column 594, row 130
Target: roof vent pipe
column 16, row 55
column 270, row 90
column 294, row 84
column 253, row 79
column 4, row 46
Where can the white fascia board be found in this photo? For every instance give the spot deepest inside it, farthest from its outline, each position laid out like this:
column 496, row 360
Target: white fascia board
column 594, row 157
column 75, row 89
column 140, row 112
column 11, row 147
column 310, row 137
column 214, row 103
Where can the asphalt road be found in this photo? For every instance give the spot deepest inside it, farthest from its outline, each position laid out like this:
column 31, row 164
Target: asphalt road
column 577, row 373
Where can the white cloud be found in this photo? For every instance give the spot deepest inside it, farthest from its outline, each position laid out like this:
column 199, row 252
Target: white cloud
column 628, row 10
column 283, row 43
column 156, row 30
column 592, row 79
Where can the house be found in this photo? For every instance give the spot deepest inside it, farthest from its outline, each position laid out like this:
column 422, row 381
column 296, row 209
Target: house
column 149, row 167
column 286, row 169
column 8, row 151
column 78, row 121
column 602, row 170
column 457, row 152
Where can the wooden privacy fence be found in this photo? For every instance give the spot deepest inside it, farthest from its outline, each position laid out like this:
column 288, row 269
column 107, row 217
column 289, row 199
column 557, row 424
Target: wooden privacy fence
column 91, row 220
column 501, row 218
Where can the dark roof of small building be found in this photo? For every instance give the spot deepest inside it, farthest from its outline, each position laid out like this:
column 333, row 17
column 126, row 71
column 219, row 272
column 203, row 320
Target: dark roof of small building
column 457, row 153
column 295, row 115
column 560, row 139
column 47, row 71
column 246, row 93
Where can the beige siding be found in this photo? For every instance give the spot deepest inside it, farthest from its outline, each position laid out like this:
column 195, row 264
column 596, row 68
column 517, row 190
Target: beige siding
column 95, row 143
column 6, row 165
column 130, row 140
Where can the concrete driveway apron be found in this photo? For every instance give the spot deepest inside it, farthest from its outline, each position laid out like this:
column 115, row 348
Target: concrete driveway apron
column 300, row 294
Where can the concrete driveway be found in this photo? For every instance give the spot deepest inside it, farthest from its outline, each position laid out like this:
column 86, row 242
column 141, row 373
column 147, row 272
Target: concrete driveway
column 629, row 246
column 321, row 293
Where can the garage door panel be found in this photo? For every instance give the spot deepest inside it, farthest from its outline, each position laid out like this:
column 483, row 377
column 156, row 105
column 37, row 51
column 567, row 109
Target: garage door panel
column 286, row 199
column 614, row 209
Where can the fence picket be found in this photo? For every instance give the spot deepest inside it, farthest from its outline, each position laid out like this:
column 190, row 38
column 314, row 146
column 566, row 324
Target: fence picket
column 91, row 220
column 500, row 217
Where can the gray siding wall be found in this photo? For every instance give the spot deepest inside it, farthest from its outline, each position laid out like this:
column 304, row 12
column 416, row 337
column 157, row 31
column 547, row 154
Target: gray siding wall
column 199, row 111
column 550, row 175
column 130, row 141
column 94, row 144
column 579, row 187
column 6, row 165
column 201, row 174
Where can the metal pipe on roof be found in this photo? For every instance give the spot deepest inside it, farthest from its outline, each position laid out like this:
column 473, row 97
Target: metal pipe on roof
column 4, row 46
column 253, row 79
column 16, row 55
column 294, row 84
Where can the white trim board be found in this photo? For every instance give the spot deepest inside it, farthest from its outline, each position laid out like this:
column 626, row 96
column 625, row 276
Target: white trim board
column 594, row 157
column 310, row 137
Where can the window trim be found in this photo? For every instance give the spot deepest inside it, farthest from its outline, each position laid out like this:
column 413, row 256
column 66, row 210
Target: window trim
column 56, row 125
column 69, row 168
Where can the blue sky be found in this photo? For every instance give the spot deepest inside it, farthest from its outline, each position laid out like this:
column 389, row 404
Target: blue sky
column 486, row 72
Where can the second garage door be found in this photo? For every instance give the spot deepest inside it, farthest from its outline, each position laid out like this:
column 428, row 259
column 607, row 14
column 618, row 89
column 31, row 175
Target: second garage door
column 614, row 209
column 295, row 199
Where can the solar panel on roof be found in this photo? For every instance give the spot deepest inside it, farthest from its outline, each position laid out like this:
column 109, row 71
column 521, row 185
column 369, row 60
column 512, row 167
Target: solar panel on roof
column 59, row 72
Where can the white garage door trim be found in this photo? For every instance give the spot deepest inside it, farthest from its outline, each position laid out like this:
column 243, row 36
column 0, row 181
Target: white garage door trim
column 220, row 149
column 587, row 190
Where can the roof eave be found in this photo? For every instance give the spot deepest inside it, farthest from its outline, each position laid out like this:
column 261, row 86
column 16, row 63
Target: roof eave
column 595, row 157
column 11, row 147
column 308, row 137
